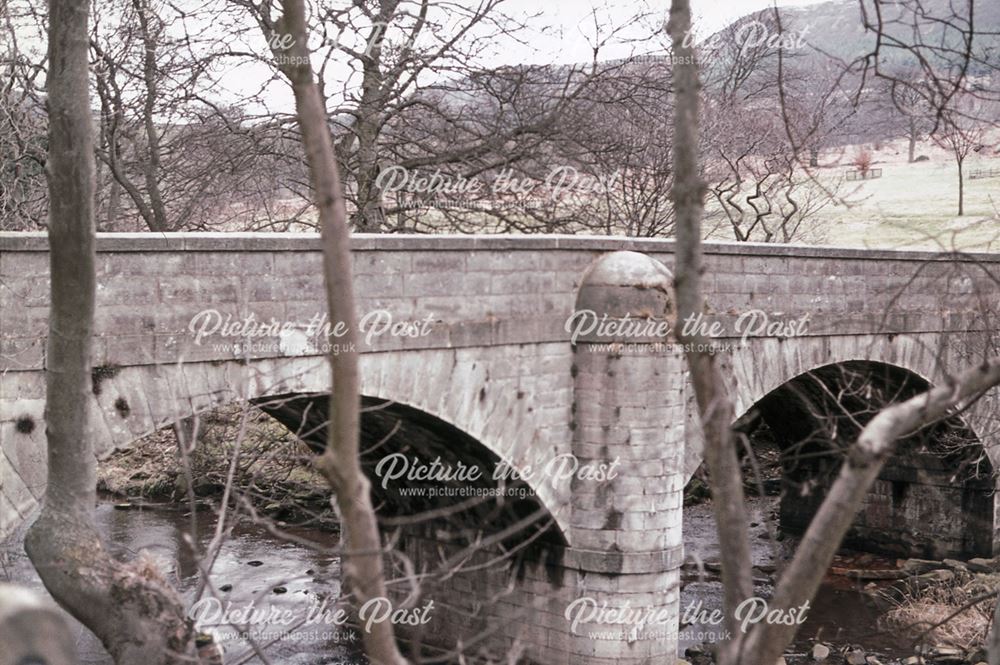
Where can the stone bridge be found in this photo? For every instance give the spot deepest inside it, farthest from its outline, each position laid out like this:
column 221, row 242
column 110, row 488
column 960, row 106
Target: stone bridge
column 521, row 353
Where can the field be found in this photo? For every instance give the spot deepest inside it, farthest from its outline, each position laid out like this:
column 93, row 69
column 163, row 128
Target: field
column 913, row 206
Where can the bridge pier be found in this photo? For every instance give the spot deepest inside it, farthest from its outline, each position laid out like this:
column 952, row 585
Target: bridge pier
column 605, row 587
column 629, row 412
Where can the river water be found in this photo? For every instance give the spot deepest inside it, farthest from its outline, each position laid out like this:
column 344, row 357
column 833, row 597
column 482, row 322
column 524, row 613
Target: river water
column 255, row 569
column 252, row 561
column 840, row 613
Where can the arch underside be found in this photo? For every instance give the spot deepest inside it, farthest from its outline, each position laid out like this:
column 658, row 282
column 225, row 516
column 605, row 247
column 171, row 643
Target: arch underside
column 767, row 363
column 506, row 409
column 764, row 365
column 934, row 496
column 428, row 475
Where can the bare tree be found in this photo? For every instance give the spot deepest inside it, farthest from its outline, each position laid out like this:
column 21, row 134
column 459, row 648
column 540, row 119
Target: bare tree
column 961, row 134
column 937, row 65
column 170, row 157
column 767, row 113
column 908, row 107
column 405, row 89
column 604, row 167
column 340, row 462
column 22, row 121
column 739, row 67
column 714, row 405
column 761, row 191
column 130, row 607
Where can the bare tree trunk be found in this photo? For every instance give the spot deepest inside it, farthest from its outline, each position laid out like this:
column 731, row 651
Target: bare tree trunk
column 340, row 462
column 993, row 639
column 370, row 218
column 151, row 168
column 135, row 613
column 715, row 408
column 114, row 203
column 913, row 140
column 961, row 189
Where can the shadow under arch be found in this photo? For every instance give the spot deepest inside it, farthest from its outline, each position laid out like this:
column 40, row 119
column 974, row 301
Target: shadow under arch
column 934, row 496
column 431, row 477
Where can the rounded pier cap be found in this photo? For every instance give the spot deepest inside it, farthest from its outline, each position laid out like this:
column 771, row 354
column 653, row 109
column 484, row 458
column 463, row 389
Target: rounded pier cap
column 624, row 285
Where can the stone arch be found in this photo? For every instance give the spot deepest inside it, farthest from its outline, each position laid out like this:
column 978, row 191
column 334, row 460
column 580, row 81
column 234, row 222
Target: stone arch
column 764, row 364
column 934, row 497
column 469, row 484
column 768, row 363
column 132, row 402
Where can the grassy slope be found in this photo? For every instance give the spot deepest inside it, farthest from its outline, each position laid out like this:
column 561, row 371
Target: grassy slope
column 916, row 205
column 912, row 206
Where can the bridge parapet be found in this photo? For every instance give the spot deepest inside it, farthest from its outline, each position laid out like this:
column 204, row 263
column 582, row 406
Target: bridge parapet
column 157, row 292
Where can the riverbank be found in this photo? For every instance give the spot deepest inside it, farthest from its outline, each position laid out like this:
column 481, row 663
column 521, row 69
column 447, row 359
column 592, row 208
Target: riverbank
column 272, row 473
column 869, row 610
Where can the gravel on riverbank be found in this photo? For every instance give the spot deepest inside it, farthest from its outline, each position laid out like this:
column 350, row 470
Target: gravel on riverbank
column 272, row 472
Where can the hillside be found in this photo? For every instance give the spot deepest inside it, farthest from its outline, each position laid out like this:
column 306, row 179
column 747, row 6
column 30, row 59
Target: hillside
column 836, row 29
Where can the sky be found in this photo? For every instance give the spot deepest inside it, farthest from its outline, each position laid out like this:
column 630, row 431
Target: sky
column 557, row 32
column 572, row 21
column 563, row 31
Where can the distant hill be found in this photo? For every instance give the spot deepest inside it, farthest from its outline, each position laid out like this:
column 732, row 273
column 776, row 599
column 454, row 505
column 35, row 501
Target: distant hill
column 836, row 29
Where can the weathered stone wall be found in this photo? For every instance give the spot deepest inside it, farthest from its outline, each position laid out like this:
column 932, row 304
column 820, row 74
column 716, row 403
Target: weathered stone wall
column 497, row 604
column 477, row 290
column 919, row 506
